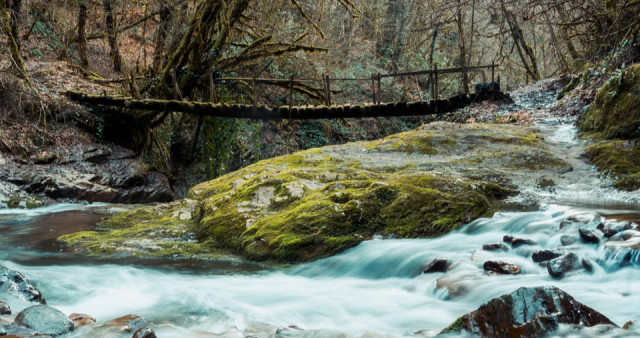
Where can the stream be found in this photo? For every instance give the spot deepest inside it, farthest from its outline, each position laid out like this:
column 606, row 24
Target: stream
column 377, row 287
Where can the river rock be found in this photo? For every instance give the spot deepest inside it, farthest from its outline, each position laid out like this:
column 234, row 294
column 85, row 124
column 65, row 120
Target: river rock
column 436, row 265
column 527, row 312
column 516, row 242
column 630, row 324
column 587, row 265
column 96, row 155
column 557, row 267
column 501, row 268
column 567, row 240
column 44, row 319
column 4, row 308
column 588, row 237
column 495, row 247
column 545, row 255
column 15, row 283
column 80, row 319
column 145, row 332
column 128, row 323
column 12, row 330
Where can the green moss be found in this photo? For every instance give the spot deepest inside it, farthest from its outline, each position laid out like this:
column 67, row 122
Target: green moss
column 616, row 110
column 454, row 327
column 618, row 159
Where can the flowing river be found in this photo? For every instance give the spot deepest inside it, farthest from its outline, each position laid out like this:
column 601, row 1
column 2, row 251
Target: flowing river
column 376, row 287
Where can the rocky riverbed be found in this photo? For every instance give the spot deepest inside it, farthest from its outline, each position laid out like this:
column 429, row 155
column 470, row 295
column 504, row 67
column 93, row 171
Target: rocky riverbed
column 503, row 218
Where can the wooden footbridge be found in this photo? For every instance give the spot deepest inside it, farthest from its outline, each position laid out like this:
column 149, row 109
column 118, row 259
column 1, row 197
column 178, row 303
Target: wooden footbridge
column 376, row 108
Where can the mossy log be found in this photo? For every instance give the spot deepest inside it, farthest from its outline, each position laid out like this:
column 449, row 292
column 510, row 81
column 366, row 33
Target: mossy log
column 244, row 111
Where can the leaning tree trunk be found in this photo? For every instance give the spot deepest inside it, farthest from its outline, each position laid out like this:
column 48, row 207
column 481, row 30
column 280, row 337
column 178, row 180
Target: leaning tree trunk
column 525, row 51
column 16, row 7
column 112, row 35
column 14, row 50
column 82, row 34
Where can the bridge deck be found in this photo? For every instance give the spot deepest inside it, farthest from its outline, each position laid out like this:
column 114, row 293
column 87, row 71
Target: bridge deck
column 285, row 112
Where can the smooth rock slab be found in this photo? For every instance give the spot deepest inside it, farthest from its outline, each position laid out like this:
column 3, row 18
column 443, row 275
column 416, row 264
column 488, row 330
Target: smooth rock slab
column 436, row 265
column 14, row 283
column 527, row 312
column 44, row 319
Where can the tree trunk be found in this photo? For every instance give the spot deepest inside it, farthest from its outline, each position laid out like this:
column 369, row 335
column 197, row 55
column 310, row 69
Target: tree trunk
column 524, row 49
column 82, row 34
column 462, row 46
column 564, row 33
column 16, row 59
column 386, row 46
column 16, row 7
column 161, row 34
column 112, row 35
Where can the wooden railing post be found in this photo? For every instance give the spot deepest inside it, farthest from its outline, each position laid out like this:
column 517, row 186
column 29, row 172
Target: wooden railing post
column 255, row 92
column 328, row 89
column 373, row 88
column 290, row 93
column 379, row 89
column 435, row 82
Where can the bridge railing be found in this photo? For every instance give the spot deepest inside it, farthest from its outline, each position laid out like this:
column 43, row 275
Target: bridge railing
column 375, row 79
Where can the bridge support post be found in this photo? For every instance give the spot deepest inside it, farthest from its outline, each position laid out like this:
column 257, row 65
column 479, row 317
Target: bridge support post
column 373, row 89
column 435, row 81
column 493, row 75
column 290, row 93
column 328, row 89
column 379, row 89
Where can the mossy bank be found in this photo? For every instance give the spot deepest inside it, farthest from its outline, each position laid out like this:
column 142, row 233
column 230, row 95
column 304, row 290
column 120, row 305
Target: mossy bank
column 613, row 124
column 319, row 202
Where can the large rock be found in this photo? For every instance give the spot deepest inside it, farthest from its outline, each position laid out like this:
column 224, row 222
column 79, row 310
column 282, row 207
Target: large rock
column 80, row 319
column 128, row 323
column 16, row 284
column 527, row 312
column 546, row 255
column 588, row 237
column 44, row 319
column 322, row 201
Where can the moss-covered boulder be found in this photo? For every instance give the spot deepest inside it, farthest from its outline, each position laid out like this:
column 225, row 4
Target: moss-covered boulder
column 619, row 159
column 319, row 202
column 616, row 110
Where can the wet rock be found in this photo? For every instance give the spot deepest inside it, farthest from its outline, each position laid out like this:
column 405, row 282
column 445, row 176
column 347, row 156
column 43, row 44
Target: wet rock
column 501, row 268
column 588, row 237
column 587, row 265
column 436, row 265
column 545, row 255
column 516, row 242
column 566, row 240
column 128, row 323
column 558, row 267
column 608, row 233
column 527, row 312
column 145, row 332
column 44, row 319
column 630, row 324
column 15, row 283
column 12, row 330
column 80, row 319
column 44, row 157
column 96, row 155
column 4, row 308
column 296, row 332
column 495, row 247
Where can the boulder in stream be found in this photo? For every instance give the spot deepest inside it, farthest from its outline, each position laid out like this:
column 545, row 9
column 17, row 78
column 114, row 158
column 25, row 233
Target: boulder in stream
column 588, row 237
column 4, row 308
column 559, row 266
column 501, row 268
column 495, row 247
column 13, row 330
column 546, row 255
column 45, row 320
column 16, row 284
column 436, row 265
column 527, row 312
column 128, row 323
column 516, row 242
column 80, row 319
